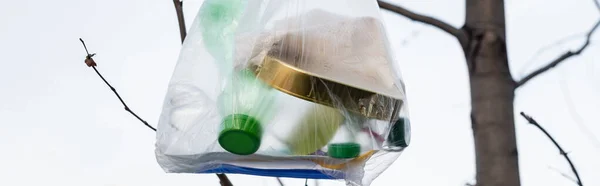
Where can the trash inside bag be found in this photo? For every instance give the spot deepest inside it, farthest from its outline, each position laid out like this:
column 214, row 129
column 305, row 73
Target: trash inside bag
column 286, row 88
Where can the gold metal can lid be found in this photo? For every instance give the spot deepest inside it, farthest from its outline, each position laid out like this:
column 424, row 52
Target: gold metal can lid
column 283, row 76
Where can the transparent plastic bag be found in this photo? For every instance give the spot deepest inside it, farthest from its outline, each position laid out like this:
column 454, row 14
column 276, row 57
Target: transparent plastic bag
column 285, row 88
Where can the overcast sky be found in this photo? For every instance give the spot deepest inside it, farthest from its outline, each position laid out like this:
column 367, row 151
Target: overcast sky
column 62, row 126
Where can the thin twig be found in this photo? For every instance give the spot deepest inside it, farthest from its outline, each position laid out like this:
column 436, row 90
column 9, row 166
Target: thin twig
column 572, row 109
column 89, row 61
column 223, row 179
column 562, row 152
column 560, row 59
column 562, row 174
column 180, row 18
column 280, row 182
column 459, row 34
column 546, row 48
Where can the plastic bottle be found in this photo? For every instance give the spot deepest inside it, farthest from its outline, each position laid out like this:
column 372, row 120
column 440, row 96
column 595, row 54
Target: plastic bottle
column 246, row 104
column 219, row 20
column 314, row 130
column 398, row 137
column 344, row 144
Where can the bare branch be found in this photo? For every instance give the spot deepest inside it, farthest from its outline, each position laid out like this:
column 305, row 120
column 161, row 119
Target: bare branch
column 224, row 180
column 459, row 34
column 560, row 59
column 563, row 174
column 91, row 63
column 562, row 152
column 540, row 51
column 280, row 182
column 180, row 19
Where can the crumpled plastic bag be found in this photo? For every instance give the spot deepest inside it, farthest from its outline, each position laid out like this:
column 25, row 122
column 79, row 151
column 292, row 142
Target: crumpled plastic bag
column 289, row 88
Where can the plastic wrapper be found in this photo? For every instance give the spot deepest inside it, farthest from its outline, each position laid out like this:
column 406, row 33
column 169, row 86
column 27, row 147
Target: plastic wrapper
column 285, row 88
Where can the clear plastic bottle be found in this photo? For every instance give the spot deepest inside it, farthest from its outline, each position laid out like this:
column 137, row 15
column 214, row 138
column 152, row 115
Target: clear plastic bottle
column 219, row 20
column 246, row 104
column 344, row 144
column 314, row 130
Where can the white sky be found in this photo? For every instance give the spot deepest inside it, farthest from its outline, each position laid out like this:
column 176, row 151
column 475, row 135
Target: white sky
column 62, row 126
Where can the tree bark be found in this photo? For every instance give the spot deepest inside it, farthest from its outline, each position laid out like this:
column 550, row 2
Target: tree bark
column 492, row 94
column 483, row 40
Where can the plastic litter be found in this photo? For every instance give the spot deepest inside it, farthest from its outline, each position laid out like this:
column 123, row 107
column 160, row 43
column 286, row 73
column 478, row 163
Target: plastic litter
column 285, row 88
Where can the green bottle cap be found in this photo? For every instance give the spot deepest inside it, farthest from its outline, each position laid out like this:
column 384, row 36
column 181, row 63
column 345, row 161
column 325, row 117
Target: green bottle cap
column 343, row 150
column 400, row 133
column 241, row 134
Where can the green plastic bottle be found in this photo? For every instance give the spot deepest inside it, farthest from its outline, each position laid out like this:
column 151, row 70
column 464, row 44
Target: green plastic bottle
column 219, row 20
column 344, row 145
column 399, row 135
column 247, row 105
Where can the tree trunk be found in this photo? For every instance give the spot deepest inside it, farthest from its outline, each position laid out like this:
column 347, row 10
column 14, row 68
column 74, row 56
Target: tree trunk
column 492, row 94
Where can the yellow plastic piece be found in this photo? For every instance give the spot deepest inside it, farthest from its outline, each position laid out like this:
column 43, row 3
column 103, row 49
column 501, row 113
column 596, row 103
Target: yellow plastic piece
column 315, row 130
